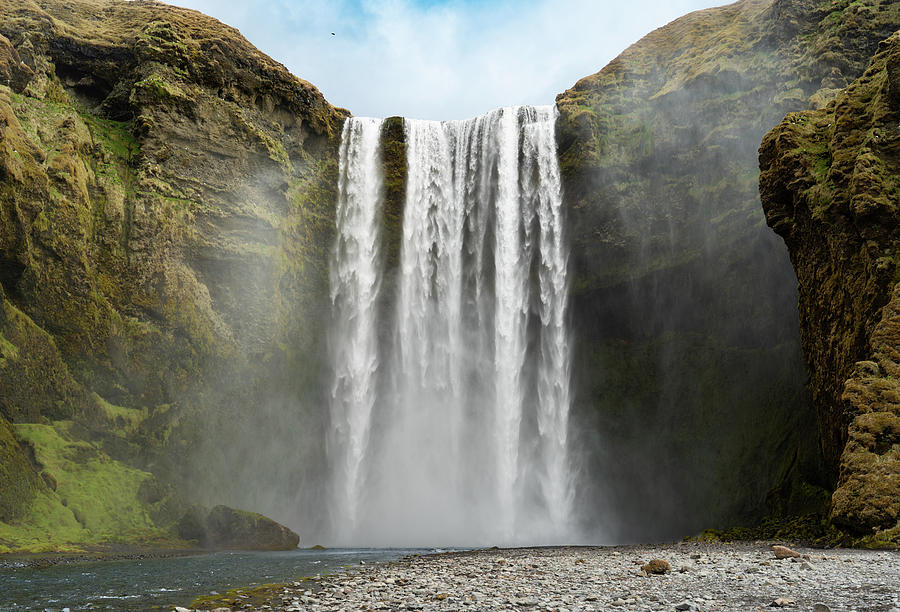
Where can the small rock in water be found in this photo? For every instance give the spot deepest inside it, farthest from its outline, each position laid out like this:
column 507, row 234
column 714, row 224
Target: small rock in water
column 783, row 552
column 657, row 566
column 821, row 608
column 782, row 602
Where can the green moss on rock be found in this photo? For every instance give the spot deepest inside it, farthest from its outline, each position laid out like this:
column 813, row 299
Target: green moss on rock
column 829, row 189
column 19, row 481
column 167, row 195
column 658, row 153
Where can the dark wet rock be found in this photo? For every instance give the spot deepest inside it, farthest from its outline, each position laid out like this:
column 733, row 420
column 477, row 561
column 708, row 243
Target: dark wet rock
column 682, row 298
column 829, row 188
column 230, row 529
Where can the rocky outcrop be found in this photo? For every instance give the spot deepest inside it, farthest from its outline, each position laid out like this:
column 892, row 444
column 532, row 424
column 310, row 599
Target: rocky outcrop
column 224, row 528
column 166, row 206
column 830, row 189
column 684, row 304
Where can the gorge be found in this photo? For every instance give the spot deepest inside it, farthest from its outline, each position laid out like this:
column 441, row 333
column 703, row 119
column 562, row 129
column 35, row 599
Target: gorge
column 218, row 288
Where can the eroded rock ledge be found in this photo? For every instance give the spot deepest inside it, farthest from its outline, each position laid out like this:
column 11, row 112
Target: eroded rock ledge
column 830, row 189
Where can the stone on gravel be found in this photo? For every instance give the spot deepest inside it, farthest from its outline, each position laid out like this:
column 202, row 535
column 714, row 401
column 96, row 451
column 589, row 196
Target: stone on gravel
column 783, row 602
column 554, row 579
column 783, row 552
column 657, row 566
column 821, row 608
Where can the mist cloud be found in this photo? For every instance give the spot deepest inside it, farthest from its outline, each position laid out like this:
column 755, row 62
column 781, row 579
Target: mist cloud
column 452, row 59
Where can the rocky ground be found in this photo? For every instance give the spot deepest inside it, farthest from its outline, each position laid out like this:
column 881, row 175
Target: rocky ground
column 700, row 576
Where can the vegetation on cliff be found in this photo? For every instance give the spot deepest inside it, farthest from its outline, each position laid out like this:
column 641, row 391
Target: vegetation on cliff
column 167, row 198
column 684, row 303
column 166, row 201
column 830, row 189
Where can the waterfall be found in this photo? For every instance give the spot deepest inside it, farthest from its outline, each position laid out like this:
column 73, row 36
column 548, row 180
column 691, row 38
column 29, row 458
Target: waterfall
column 450, row 423
column 354, row 279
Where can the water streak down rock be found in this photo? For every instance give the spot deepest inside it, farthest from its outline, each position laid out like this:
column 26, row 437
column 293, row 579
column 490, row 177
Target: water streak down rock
column 460, row 414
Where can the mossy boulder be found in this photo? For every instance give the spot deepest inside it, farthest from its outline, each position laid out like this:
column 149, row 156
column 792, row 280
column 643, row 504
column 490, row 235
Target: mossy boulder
column 830, row 189
column 224, row 528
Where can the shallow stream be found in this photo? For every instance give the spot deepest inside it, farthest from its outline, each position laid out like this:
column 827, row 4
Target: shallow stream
column 147, row 584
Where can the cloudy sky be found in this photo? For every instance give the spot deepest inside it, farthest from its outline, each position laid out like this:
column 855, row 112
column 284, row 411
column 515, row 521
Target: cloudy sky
column 443, row 59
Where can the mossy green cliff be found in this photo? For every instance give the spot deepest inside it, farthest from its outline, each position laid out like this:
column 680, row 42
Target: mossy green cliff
column 166, row 206
column 167, row 197
column 830, row 189
column 684, row 304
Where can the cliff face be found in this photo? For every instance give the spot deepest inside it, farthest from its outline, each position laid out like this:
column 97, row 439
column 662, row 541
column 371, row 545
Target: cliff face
column 166, row 210
column 684, row 303
column 830, row 189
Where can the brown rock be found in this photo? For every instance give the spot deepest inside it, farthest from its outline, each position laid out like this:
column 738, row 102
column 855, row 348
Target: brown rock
column 783, row 552
column 783, row 602
column 657, row 566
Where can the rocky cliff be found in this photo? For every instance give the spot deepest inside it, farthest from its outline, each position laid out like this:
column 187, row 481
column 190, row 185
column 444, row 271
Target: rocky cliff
column 166, row 207
column 830, row 189
column 167, row 203
column 684, row 303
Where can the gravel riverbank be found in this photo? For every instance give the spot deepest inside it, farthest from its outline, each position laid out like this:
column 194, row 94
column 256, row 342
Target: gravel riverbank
column 703, row 577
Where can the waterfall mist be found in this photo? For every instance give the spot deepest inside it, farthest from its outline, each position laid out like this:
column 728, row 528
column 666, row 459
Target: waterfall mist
column 450, row 404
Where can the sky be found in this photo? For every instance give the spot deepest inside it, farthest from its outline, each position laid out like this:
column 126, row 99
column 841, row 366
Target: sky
column 443, row 59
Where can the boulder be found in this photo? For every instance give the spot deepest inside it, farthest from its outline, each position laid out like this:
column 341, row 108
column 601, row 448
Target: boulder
column 224, row 528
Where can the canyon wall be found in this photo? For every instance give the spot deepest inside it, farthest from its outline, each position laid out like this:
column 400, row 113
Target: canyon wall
column 830, row 189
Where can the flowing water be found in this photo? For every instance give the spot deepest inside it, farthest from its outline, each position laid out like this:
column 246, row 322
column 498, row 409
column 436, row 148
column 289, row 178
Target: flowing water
column 450, row 406
column 150, row 584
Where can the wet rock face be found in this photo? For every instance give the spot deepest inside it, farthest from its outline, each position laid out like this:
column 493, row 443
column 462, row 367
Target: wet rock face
column 167, row 196
column 683, row 302
column 829, row 187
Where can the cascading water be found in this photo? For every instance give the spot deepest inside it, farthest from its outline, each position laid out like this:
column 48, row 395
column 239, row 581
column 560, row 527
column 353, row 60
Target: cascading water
column 450, row 427
column 354, row 277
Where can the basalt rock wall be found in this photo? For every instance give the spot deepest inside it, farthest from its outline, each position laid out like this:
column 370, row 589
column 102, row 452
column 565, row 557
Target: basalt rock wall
column 830, row 189
column 689, row 377
column 167, row 197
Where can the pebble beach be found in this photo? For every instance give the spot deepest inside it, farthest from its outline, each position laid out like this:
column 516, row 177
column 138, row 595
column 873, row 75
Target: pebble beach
column 692, row 577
